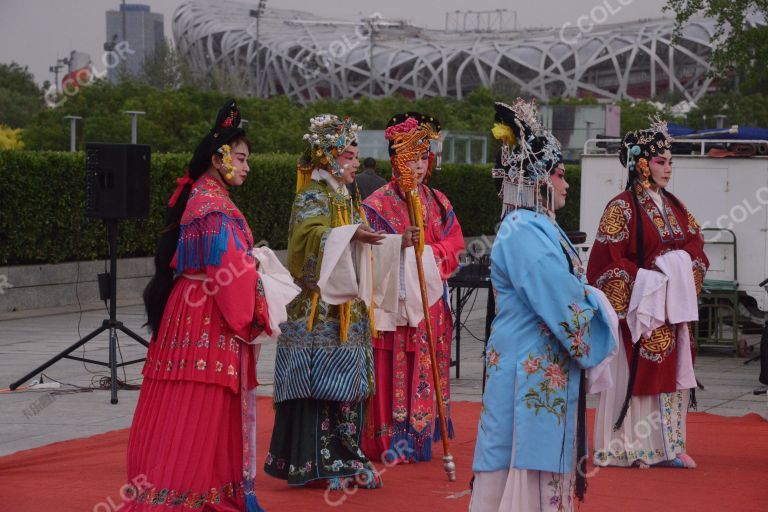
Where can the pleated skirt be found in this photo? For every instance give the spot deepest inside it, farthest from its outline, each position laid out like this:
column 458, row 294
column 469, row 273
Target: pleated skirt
column 185, row 449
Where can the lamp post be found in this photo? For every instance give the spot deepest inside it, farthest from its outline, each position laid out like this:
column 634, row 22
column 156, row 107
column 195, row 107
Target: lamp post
column 258, row 13
column 72, row 132
column 60, row 63
column 134, row 123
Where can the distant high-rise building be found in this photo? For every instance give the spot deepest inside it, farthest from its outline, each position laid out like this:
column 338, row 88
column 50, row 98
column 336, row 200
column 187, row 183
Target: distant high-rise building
column 141, row 29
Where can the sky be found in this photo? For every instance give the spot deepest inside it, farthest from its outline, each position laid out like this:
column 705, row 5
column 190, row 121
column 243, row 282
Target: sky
column 35, row 33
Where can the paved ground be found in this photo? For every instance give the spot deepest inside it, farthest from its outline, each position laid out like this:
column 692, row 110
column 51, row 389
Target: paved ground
column 34, row 418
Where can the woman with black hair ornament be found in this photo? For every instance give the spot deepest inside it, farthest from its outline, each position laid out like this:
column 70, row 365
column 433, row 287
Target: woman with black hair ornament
column 648, row 258
column 192, row 442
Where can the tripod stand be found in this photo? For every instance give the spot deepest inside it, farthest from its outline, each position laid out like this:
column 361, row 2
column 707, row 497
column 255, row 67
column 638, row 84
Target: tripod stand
column 763, row 341
column 111, row 324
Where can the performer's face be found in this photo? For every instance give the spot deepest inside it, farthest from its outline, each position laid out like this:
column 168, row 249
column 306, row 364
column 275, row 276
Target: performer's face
column 419, row 166
column 560, row 186
column 348, row 163
column 240, row 162
column 661, row 168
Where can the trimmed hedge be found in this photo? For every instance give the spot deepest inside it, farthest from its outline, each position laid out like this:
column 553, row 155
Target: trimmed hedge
column 43, row 194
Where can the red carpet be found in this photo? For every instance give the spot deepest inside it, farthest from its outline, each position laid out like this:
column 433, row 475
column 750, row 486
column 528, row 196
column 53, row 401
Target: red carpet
column 85, row 475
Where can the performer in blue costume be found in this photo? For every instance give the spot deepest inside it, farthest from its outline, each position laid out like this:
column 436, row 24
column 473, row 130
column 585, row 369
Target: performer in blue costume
column 550, row 326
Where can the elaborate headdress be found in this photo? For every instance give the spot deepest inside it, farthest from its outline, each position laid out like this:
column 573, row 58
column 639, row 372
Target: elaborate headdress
column 327, row 138
column 217, row 140
column 527, row 157
column 637, row 148
column 410, row 134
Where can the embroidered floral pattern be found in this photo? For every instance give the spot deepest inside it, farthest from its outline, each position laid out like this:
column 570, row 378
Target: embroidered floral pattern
column 337, row 435
column 555, row 377
column 552, row 369
column 188, row 499
column 577, row 329
column 669, row 429
column 545, row 331
column 560, row 493
column 493, row 359
column 421, row 419
column 532, row 364
column 672, row 419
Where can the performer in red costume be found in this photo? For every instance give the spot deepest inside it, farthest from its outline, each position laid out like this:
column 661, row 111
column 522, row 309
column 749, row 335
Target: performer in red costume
column 404, row 400
column 192, row 441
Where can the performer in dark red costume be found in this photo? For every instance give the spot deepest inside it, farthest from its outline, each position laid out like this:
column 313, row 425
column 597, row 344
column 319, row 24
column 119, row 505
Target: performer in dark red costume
column 648, row 258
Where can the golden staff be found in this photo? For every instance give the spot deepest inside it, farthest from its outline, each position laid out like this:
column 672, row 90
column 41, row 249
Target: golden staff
column 407, row 149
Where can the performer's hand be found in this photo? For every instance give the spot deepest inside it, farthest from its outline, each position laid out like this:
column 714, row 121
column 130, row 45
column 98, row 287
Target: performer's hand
column 366, row 235
column 411, row 236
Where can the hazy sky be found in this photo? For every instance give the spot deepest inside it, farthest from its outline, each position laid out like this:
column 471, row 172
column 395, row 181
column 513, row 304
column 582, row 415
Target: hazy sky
column 36, row 32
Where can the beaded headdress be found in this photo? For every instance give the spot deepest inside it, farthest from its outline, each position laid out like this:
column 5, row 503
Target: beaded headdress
column 637, row 148
column 327, row 138
column 527, row 157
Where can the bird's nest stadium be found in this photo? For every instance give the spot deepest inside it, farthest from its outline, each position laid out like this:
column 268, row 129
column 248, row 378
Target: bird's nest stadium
column 308, row 57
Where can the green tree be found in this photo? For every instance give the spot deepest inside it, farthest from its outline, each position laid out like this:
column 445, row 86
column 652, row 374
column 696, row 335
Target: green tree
column 741, row 46
column 635, row 115
column 743, row 109
column 20, row 98
column 166, row 69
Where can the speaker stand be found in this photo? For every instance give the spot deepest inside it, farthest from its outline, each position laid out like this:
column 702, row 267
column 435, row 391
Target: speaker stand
column 112, row 324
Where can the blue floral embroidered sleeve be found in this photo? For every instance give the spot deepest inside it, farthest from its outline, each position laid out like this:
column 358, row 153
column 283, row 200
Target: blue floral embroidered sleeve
column 539, row 271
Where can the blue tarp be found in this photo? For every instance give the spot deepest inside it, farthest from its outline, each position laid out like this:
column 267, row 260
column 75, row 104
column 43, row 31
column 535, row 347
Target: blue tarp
column 676, row 130
column 743, row 132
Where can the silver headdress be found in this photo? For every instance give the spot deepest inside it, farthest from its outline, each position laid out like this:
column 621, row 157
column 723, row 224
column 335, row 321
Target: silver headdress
column 527, row 157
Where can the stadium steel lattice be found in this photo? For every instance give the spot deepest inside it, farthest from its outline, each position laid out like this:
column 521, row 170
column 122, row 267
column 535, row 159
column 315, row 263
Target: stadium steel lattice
column 307, row 57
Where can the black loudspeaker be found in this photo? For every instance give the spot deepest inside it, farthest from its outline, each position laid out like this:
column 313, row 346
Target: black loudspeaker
column 117, row 180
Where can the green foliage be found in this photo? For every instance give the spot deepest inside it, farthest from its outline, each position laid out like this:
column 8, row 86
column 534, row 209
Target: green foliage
column 635, row 114
column 568, row 216
column 43, row 201
column 471, row 191
column 177, row 116
column 745, row 109
column 741, row 50
column 20, row 98
column 166, row 69
column 42, row 217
